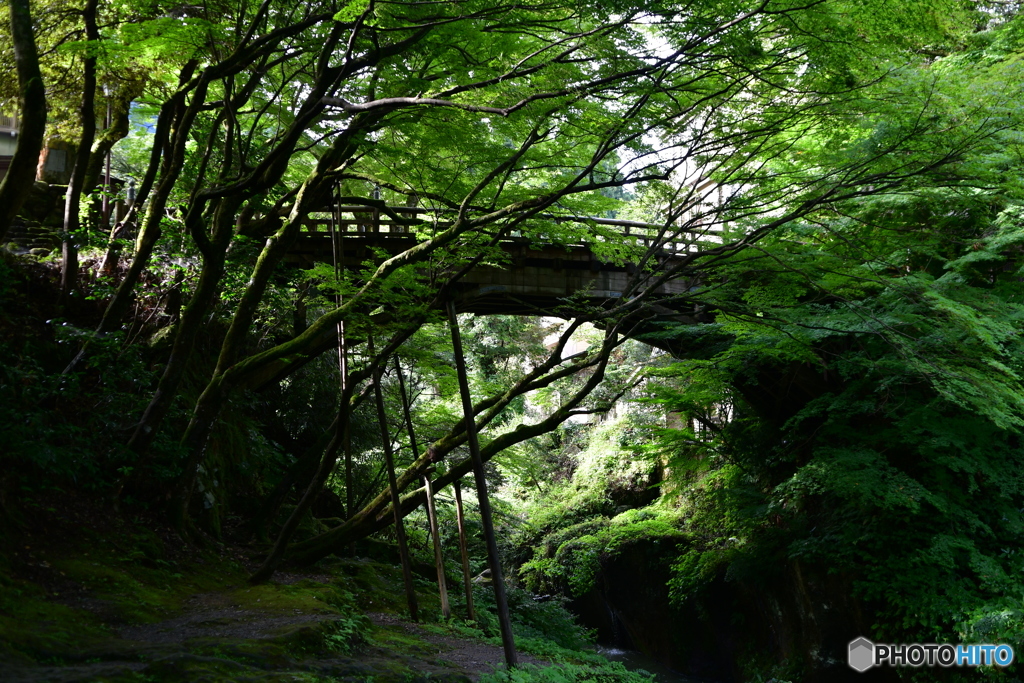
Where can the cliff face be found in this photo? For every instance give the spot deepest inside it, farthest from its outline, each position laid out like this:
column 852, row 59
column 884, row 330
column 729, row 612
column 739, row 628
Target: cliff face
column 797, row 619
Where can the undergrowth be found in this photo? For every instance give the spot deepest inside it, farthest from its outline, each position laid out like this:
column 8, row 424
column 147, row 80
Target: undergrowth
column 608, row 672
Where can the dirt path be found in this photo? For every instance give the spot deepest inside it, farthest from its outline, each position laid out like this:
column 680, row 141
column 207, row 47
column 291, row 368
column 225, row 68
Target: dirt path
column 215, row 639
column 469, row 657
column 90, row 597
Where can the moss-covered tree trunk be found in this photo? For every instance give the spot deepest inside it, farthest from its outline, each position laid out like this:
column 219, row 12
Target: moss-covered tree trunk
column 395, row 494
column 73, row 198
column 467, row 574
column 435, row 535
column 32, row 123
column 373, row 516
column 493, row 558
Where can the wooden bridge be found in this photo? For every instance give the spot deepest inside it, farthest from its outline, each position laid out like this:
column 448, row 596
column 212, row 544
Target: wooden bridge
column 536, row 280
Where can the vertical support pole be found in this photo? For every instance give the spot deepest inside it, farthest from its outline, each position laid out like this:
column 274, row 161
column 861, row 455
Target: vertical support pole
column 336, row 249
column 442, row 586
column 396, row 502
column 435, row 534
column 507, row 641
column 346, row 438
column 467, row 576
column 106, row 184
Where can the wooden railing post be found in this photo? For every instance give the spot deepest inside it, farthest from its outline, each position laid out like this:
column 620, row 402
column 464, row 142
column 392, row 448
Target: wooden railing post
column 497, row 580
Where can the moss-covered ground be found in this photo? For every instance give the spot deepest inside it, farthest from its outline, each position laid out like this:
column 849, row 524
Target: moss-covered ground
column 87, row 599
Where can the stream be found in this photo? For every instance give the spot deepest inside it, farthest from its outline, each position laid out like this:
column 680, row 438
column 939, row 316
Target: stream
column 633, row 660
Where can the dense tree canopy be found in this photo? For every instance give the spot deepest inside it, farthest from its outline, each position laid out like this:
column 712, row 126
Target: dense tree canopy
column 840, row 182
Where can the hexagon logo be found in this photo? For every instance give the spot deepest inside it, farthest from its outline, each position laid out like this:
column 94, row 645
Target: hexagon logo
column 862, row 654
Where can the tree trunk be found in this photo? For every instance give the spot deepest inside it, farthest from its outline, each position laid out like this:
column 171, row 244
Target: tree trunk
column 188, row 331
column 302, row 470
column 350, row 492
column 467, row 575
column 327, row 462
column 310, row 195
column 117, row 129
column 32, row 122
column 435, row 535
column 493, row 559
column 167, row 158
column 73, row 199
column 372, row 516
column 396, row 503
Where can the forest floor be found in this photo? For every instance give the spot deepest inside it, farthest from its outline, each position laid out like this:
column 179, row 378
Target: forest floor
column 88, row 599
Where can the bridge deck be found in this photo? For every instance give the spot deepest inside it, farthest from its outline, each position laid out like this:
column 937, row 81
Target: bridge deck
column 535, row 280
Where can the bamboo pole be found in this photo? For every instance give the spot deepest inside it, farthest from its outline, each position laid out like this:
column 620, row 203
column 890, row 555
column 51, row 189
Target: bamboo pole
column 435, row 534
column 396, row 504
column 507, row 641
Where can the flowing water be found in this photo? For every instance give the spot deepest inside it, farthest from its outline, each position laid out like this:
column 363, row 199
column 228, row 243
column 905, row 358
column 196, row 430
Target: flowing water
column 634, row 660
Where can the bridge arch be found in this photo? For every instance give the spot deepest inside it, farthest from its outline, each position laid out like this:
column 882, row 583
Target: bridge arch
column 537, row 278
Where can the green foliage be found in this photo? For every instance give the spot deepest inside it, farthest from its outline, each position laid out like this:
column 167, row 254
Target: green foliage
column 570, row 559
column 850, row 374
column 863, row 415
column 47, row 429
column 611, row 672
column 343, row 634
column 598, row 468
column 544, row 628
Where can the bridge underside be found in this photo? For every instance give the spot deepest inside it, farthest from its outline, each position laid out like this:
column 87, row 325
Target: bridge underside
column 538, row 279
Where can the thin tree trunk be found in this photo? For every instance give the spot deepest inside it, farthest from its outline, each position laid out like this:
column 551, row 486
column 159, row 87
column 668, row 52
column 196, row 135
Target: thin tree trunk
column 346, row 446
column 188, row 330
column 208, row 406
column 370, row 517
column 303, row 469
column 73, row 198
column 403, row 546
column 435, row 534
column 497, row 580
column 374, row 515
column 172, row 110
column 467, row 575
column 327, row 463
column 336, row 245
column 32, row 122
column 116, row 129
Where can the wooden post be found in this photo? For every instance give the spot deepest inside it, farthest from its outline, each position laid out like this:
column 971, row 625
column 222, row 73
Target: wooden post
column 467, row 576
column 346, row 442
column 108, row 123
column 507, row 641
column 396, row 503
column 435, row 534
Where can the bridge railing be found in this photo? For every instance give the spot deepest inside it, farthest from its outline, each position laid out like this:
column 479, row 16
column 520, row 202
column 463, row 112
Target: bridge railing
column 364, row 220
column 8, row 123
